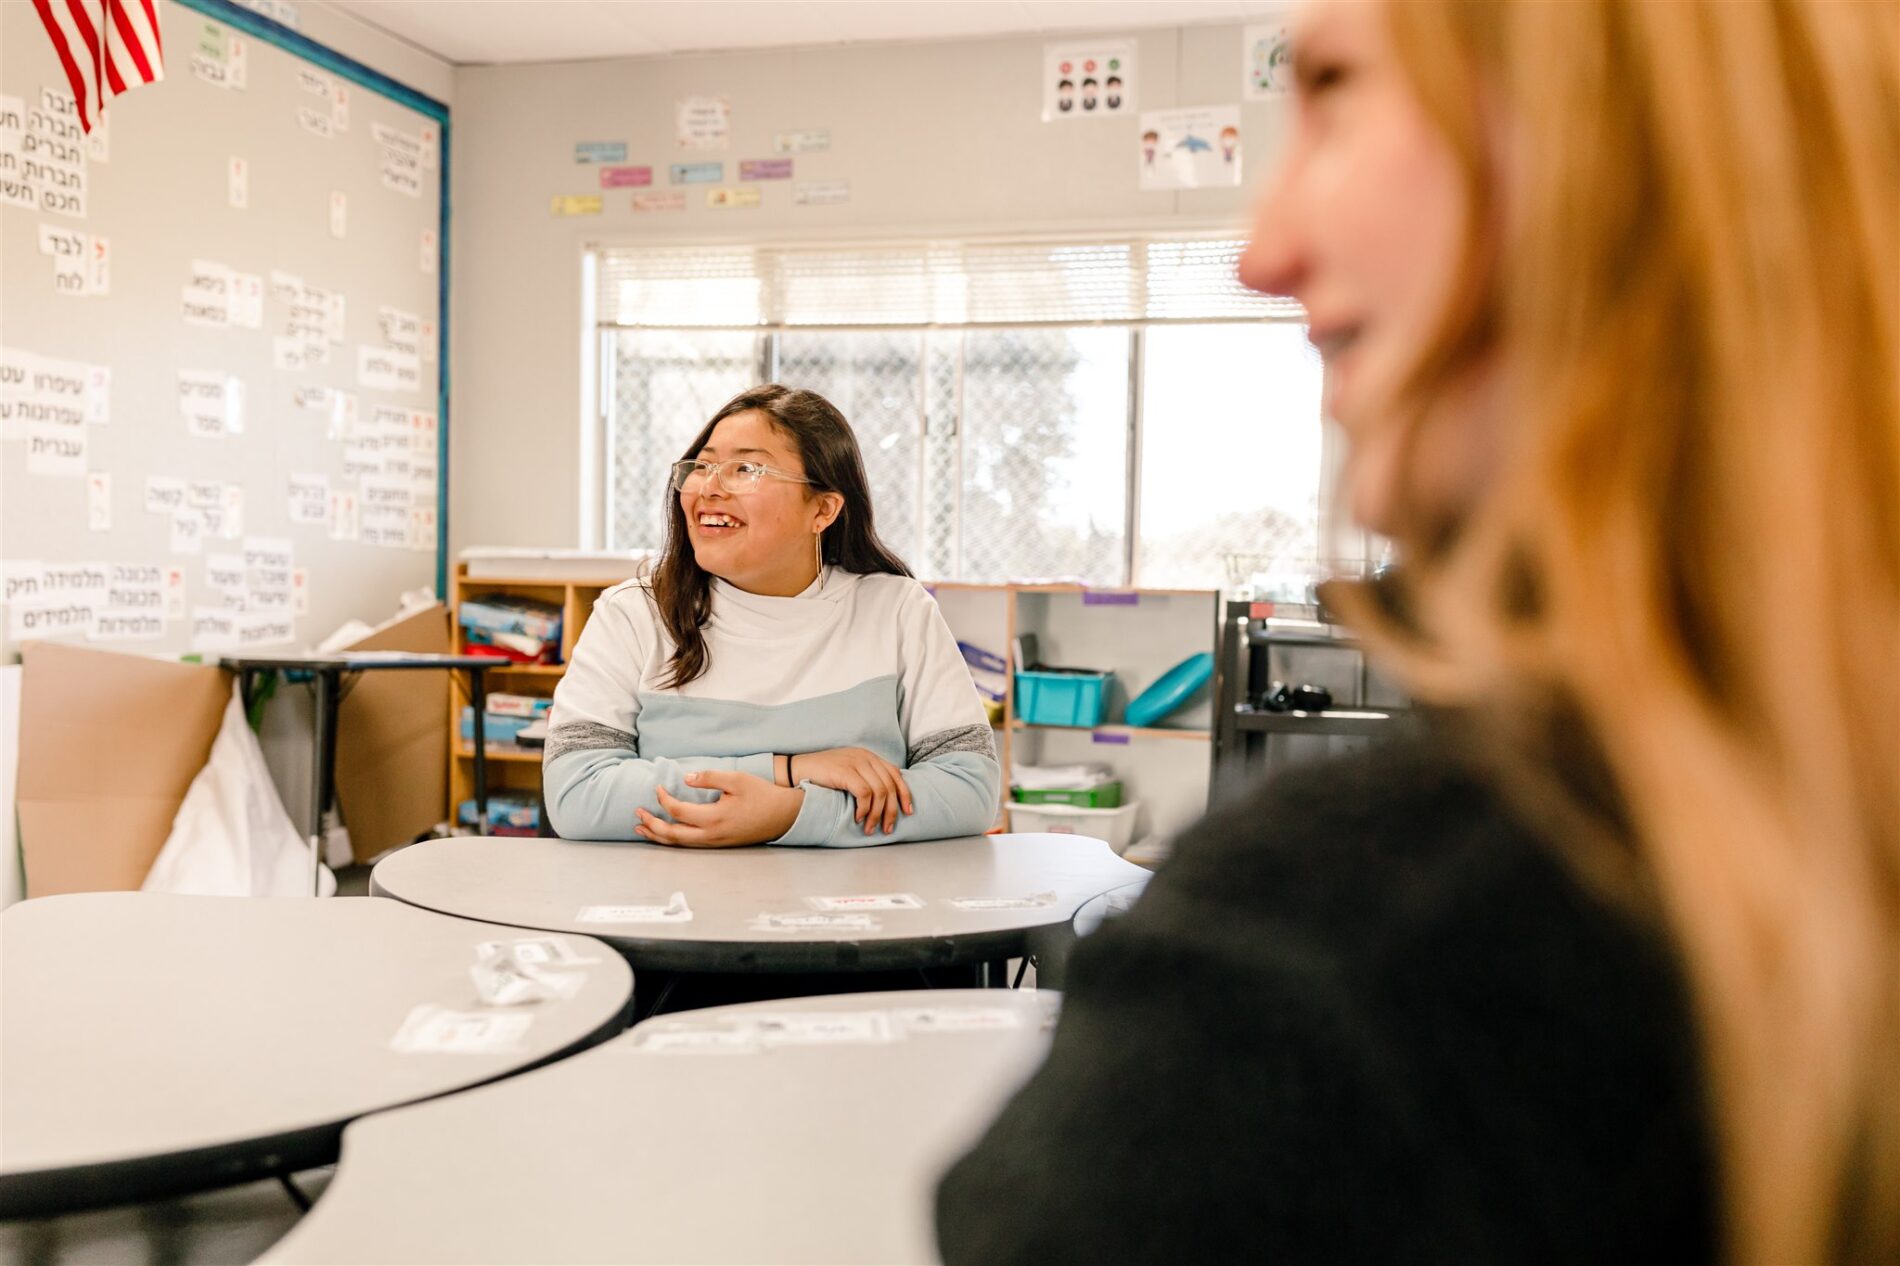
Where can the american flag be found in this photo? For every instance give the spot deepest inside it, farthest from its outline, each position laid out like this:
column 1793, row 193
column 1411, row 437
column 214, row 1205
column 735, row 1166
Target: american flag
column 107, row 47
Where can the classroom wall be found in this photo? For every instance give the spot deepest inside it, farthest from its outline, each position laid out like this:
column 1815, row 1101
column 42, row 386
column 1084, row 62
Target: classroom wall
column 286, row 730
column 402, row 62
column 944, row 137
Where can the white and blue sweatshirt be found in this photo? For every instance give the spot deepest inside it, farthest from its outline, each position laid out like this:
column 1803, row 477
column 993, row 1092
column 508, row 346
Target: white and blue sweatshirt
column 853, row 661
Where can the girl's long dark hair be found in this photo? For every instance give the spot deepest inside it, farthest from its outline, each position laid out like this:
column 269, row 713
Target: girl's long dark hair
column 829, row 452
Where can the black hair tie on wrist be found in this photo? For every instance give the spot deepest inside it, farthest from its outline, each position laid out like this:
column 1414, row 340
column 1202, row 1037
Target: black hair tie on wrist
column 789, row 780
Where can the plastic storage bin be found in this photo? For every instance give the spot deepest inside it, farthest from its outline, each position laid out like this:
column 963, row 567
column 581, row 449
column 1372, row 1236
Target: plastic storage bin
column 1116, row 826
column 1106, row 795
column 1062, row 698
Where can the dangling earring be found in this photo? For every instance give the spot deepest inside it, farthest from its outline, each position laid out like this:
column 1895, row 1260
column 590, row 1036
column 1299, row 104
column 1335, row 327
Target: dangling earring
column 818, row 542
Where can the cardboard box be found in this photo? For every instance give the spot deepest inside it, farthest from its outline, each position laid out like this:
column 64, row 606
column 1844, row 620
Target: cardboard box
column 392, row 752
column 109, row 744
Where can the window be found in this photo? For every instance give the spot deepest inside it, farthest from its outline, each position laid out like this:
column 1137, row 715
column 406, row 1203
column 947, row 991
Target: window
column 1230, row 453
column 1117, row 412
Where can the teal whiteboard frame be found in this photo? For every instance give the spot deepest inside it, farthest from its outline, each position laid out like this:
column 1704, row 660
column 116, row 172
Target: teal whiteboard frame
column 260, row 27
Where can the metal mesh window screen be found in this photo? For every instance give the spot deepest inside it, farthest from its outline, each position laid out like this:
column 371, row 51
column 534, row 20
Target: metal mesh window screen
column 1045, row 455
column 665, row 384
column 988, row 383
column 875, row 378
column 1230, row 455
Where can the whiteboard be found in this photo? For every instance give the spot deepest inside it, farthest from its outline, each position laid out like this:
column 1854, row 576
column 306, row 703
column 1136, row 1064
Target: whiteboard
column 223, row 412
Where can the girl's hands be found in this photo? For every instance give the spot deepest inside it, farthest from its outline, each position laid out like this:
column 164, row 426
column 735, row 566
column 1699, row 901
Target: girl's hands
column 874, row 783
column 749, row 810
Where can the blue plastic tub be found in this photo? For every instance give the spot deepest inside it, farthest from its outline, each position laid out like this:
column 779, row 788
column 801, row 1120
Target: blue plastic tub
column 1062, row 698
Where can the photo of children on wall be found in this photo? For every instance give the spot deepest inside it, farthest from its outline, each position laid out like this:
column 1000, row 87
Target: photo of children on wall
column 1193, row 148
column 1088, row 80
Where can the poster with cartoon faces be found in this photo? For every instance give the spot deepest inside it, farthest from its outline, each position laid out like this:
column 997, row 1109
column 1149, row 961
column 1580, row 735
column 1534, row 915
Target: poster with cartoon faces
column 1266, row 62
column 1088, row 81
column 1195, row 148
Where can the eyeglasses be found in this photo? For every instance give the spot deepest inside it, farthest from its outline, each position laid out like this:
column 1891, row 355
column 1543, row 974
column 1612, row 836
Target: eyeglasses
column 733, row 476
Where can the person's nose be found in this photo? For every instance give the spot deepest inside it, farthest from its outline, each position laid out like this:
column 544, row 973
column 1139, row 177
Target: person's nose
column 1275, row 261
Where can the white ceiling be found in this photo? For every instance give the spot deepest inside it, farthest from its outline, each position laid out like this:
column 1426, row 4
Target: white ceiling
column 499, row 31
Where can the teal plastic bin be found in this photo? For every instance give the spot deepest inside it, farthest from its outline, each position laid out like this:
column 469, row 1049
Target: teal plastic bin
column 1062, row 698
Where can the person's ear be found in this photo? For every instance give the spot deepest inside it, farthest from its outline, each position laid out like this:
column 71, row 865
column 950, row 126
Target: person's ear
column 830, row 506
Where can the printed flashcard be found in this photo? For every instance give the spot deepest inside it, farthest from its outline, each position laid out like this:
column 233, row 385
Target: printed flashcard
column 869, row 901
column 433, row 1030
column 316, row 122
column 824, row 1028
column 503, row 980
column 1041, row 901
column 659, row 201
column 958, row 1019
column 696, row 1041
column 1193, row 148
column 99, row 501
column 237, row 61
column 575, row 204
column 1266, row 61
column 702, row 122
column 802, row 140
column 540, row 951
column 735, row 197
column 674, row 911
column 625, row 177
column 1086, row 81
column 815, row 923
column 821, row 193
column 765, row 169
column 600, row 151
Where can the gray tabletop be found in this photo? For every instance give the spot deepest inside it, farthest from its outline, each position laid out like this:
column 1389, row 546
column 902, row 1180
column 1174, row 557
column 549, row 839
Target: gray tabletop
column 810, row 1130
column 1052, row 960
column 928, row 904
column 153, row 1043
column 360, row 661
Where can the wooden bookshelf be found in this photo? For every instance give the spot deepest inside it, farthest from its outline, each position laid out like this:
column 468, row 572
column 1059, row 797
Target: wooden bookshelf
column 512, row 771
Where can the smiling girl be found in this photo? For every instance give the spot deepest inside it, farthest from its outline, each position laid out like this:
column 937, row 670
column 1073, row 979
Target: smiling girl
column 778, row 677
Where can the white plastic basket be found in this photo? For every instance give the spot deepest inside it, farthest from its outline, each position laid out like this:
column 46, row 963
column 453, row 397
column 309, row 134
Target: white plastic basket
column 1116, row 826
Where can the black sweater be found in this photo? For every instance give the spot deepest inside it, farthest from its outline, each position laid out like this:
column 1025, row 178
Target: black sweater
column 1361, row 1016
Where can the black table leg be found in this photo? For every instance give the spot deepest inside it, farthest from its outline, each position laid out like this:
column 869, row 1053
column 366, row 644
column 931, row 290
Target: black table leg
column 478, row 697
column 322, row 787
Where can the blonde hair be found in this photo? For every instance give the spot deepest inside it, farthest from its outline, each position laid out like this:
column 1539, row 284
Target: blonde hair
column 1682, row 261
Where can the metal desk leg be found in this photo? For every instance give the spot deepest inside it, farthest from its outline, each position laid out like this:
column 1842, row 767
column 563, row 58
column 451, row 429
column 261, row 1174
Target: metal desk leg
column 478, row 698
column 324, row 767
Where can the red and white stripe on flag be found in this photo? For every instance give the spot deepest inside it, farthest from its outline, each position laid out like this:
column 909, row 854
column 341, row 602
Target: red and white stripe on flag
column 106, row 47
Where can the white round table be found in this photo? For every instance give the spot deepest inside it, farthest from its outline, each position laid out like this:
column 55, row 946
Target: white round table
column 807, row 1130
column 936, row 903
column 153, row 1044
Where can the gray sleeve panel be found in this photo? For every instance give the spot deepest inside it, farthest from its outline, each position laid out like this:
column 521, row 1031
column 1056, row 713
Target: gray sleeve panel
column 980, row 739
column 578, row 736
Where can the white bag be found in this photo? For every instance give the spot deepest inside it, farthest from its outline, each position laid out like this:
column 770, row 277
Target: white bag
column 231, row 837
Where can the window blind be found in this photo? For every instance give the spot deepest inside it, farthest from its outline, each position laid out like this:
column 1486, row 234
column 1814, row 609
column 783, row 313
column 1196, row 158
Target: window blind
column 958, row 283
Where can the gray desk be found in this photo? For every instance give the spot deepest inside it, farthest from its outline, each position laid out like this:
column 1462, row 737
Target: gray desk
column 724, row 1149
column 329, row 671
column 1052, row 963
column 761, row 909
column 152, row 1044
